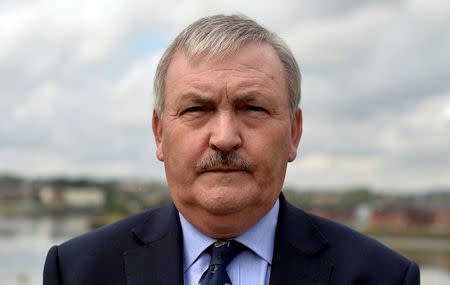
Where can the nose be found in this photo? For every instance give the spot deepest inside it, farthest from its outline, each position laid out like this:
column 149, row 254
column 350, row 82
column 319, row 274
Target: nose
column 225, row 135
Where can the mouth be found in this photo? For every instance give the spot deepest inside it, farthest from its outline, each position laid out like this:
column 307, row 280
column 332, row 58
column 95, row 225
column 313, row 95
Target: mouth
column 224, row 170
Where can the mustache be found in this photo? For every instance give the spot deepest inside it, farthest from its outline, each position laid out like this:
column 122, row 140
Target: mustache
column 220, row 159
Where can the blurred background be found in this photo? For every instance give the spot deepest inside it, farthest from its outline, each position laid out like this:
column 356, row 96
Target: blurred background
column 77, row 150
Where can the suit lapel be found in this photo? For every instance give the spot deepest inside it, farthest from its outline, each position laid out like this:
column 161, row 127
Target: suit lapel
column 158, row 259
column 297, row 257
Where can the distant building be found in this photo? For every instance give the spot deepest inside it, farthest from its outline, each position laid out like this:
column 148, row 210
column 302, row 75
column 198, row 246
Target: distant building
column 404, row 217
column 77, row 197
column 441, row 219
column 334, row 212
column 14, row 189
column 84, row 196
column 362, row 216
column 49, row 196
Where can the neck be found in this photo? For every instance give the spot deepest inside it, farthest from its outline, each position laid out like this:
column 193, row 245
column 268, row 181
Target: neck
column 224, row 226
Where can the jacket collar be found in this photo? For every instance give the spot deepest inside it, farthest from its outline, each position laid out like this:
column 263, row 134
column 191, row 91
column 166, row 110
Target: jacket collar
column 296, row 259
column 297, row 255
column 158, row 259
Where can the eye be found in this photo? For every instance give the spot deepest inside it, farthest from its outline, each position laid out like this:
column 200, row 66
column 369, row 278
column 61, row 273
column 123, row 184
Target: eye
column 193, row 109
column 256, row 108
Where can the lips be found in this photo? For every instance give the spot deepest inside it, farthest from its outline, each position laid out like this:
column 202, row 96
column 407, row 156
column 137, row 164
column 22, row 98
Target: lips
column 223, row 170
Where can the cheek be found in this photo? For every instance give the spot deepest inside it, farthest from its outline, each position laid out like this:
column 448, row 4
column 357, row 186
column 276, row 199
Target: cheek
column 178, row 141
column 270, row 144
column 270, row 154
column 182, row 150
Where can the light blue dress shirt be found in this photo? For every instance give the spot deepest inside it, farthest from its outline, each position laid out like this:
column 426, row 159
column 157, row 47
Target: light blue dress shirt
column 250, row 267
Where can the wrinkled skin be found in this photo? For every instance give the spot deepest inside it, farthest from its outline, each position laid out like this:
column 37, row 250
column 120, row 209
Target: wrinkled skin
column 236, row 104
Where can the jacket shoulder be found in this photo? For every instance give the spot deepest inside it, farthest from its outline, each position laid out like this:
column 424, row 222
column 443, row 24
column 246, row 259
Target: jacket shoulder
column 114, row 234
column 363, row 259
column 102, row 249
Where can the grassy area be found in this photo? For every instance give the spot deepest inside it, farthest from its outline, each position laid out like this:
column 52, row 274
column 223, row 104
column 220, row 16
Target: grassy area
column 428, row 259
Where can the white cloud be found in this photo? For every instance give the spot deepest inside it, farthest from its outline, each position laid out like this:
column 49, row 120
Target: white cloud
column 330, row 41
column 41, row 103
column 76, row 98
column 133, row 92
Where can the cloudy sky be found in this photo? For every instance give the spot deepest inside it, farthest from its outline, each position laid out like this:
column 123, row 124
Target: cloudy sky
column 76, row 80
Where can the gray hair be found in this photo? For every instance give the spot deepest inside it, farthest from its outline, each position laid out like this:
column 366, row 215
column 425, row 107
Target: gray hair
column 219, row 35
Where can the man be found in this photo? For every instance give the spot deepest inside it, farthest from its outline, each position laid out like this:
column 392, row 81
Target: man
column 226, row 123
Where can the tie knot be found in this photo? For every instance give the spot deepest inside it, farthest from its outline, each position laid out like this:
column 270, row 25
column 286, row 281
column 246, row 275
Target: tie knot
column 223, row 251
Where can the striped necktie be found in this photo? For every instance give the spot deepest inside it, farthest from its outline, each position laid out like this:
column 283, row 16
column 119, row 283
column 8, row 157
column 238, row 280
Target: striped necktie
column 222, row 252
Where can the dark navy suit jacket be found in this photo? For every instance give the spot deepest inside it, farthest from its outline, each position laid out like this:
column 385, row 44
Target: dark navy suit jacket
column 146, row 249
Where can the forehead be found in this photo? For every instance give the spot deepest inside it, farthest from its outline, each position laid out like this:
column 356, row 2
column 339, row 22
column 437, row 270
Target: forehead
column 252, row 64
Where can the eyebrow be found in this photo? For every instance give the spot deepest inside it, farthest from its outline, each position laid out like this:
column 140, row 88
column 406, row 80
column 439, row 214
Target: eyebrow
column 247, row 98
column 195, row 98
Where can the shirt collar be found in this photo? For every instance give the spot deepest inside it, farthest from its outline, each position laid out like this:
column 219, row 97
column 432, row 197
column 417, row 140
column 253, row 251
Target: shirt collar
column 259, row 238
column 196, row 240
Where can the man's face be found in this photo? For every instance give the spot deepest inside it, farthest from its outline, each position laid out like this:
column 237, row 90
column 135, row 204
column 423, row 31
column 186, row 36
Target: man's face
column 226, row 134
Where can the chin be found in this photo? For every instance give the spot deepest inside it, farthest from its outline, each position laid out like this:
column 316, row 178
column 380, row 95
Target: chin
column 221, row 206
column 220, row 199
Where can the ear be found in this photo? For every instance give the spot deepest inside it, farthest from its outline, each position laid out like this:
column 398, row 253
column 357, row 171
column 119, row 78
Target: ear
column 296, row 134
column 158, row 132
